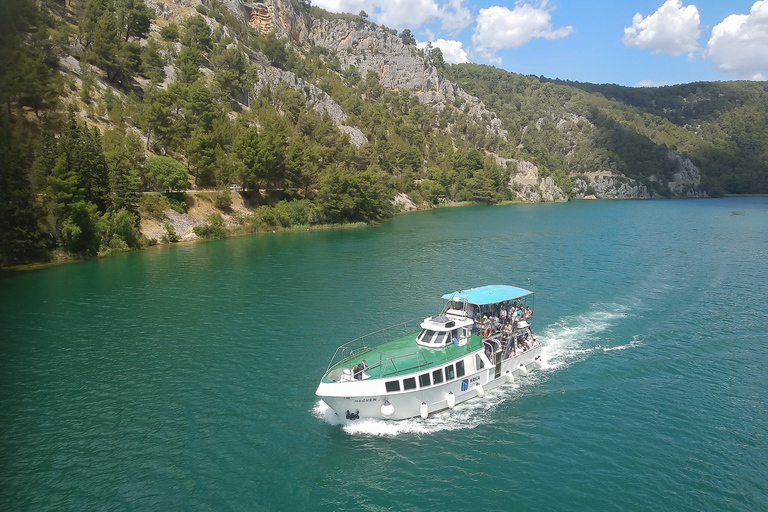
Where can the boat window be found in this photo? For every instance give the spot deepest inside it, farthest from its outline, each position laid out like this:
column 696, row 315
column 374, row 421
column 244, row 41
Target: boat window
column 441, row 338
column 479, row 362
column 459, row 368
column 427, row 336
column 449, row 373
column 424, row 380
column 409, row 383
column 437, row 376
column 393, row 385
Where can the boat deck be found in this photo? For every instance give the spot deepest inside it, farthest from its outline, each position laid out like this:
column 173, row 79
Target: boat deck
column 402, row 356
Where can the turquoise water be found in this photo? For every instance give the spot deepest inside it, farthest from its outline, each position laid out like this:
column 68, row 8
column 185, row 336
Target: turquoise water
column 183, row 377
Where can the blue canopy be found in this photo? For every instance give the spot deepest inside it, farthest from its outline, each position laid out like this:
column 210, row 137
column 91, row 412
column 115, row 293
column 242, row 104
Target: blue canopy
column 490, row 294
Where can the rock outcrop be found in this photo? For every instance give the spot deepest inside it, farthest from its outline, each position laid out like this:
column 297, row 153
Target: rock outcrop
column 402, row 202
column 528, row 186
column 606, row 185
column 687, row 179
column 315, row 97
column 281, row 16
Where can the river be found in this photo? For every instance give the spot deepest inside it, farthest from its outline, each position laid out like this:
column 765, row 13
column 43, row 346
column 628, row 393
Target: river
column 183, row 377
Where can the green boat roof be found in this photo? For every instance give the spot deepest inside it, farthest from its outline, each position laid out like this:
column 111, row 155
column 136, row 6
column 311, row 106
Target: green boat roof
column 402, row 356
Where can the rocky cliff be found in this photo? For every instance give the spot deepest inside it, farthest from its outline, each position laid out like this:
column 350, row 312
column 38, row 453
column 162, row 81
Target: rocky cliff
column 367, row 47
column 528, row 185
column 397, row 65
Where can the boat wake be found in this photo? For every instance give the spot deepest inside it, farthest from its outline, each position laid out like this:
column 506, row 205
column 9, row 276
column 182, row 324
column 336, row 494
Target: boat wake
column 636, row 342
column 574, row 338
column 569, row 340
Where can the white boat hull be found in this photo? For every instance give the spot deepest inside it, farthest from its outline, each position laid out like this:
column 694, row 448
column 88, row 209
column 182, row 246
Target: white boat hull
column 363, row 399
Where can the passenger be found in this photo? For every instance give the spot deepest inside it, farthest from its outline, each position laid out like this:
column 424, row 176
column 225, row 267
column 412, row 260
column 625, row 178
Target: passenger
column 528, row 313
column 358, row 370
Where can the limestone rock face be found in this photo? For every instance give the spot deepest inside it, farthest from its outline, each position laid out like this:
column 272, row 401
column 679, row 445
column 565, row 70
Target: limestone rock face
column 280, row 16
column 687, row 179
column 315, row 97
column 528, row 186
column 360, row 44
column 398, row 66
column 549, row 191
column 572, row 118
column 605, row 185
column 403, row 202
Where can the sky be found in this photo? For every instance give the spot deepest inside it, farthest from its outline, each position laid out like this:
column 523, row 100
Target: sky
column 627, row 42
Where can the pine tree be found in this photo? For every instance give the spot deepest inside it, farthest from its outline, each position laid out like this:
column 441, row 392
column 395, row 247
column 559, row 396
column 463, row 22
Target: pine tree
column 20, row 237
column 93, row 171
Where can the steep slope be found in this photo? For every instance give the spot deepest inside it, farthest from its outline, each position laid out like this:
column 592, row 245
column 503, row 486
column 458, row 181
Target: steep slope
column 315, row 119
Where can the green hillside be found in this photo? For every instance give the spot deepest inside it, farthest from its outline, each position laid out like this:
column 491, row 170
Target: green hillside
column 721, row 126
column 110, row 116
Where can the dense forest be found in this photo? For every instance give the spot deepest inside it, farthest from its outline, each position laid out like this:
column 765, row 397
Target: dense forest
column 112, row 115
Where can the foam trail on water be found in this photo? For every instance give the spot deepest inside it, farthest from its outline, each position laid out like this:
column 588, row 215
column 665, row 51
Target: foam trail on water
column 636, row 342
column 570, row 339
column 575, row 337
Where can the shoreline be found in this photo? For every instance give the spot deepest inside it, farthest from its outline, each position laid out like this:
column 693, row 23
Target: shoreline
column 297, row 229
column 320, row 227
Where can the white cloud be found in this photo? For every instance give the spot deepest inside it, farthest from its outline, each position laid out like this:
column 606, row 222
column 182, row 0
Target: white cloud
column 651, row 83
column 739, row 44
column 406, row 13
column 499, row 27
column 672, row 29
column 453, row 51
column 454, row 16
column 401, row 14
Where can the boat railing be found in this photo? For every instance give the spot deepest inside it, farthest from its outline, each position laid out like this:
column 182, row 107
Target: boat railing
column 382, row 364
column 349, row 351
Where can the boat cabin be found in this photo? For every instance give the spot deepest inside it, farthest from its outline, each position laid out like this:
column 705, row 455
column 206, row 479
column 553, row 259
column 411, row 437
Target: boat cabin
column 439, row 331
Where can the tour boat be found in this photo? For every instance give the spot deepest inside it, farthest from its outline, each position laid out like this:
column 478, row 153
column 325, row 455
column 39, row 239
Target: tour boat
column 481, row 339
